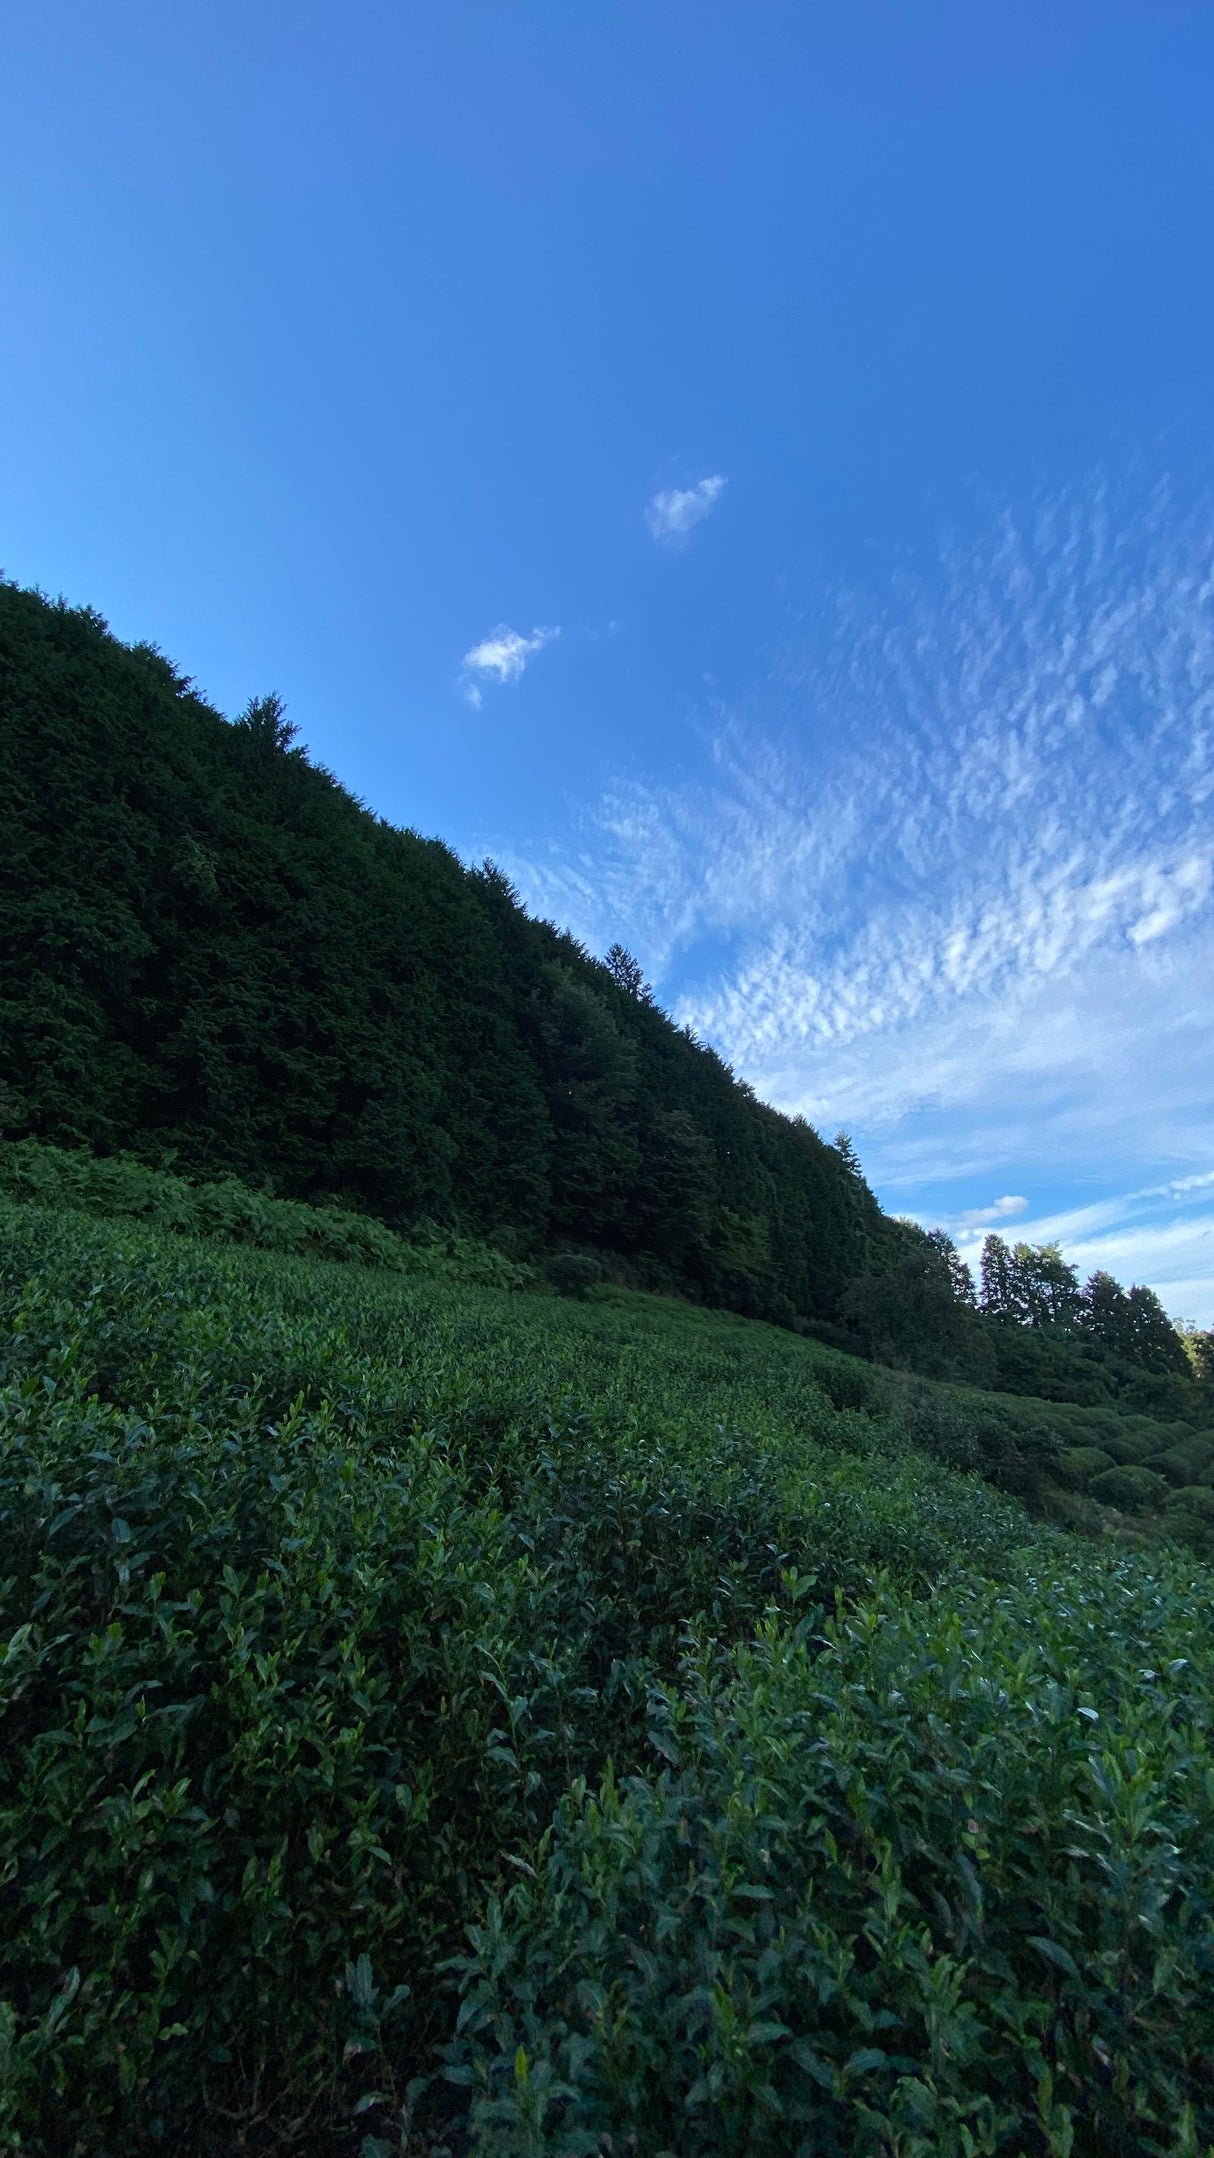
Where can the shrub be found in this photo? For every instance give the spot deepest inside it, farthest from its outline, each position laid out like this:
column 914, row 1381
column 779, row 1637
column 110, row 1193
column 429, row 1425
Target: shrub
column 1130, row 1448
column 228, row 1211
column 329, row 1594
column 1197, row 1498
column 1186, row 1462
column 793, row 1933
column 850, row 1384
column 1077, row 1464
column 970, row 1432
column 573, row 1273
column 1131, row 1489
column 834, row 1337
column 1182, row 1525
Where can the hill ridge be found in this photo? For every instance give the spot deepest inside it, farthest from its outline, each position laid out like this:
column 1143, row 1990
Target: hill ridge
column 211, row 953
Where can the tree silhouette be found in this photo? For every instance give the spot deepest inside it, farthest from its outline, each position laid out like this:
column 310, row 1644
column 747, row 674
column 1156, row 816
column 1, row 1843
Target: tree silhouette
column 626, row 970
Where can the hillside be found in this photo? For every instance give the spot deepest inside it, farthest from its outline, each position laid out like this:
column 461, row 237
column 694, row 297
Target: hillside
column 213, row 959
column 437, row 1718
column 211, row 955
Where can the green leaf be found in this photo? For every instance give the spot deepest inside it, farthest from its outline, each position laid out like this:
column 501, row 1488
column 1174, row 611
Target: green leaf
column 1055, row 1953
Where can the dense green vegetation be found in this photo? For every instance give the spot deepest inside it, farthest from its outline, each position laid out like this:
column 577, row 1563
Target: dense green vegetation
column 230, row 1212
column 1092, row 1456
column 212, row 957
column 1031, row 1330
column 442, row 1714
column 452, row 1700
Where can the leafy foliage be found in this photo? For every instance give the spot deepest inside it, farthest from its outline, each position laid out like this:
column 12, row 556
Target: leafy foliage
column 921, row 1879
column 436, row 1715
column 215, row 961
column 793, row 1785
column 1132, row 1488
column 212, row 957
column 231, row 1213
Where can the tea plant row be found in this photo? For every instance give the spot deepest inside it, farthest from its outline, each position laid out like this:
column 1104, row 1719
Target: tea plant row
column 431, row 1712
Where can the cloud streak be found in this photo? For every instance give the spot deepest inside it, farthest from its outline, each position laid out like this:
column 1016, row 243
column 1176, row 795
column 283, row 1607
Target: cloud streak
column 675, row 511
column 952, row 862
column 985, row 1217
column 501, row 657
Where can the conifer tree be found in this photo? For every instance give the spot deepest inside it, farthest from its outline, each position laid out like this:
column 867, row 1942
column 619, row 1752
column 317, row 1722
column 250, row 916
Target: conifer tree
column 626, row 970
column 998, row 1293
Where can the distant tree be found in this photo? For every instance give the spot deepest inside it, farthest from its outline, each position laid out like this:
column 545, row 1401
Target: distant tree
column 1045, row 1288
column 1198, row 1345
column 960, row 1278
column 1031, row 1285
column 1106, row 1314
column 844, row 1147
column 13, row 1114
column 674, row 1204
column 495, row 880
column 998, row 1295
column 1157, row 1345
column 1035, row 1288
column 742, row 1244
column 626, row 970
column 263, row 718
column 911, row 1313
column 162, row 668
column 574, row 1273
column 588, row 1062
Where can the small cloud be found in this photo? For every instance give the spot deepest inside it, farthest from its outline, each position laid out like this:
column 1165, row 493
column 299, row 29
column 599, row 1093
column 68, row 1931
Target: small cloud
column 1178, row 1184
column 979, row 1217
column 672, row 513
column 502, row 657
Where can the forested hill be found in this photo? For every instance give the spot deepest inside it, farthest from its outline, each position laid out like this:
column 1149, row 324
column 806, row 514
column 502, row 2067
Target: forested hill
column 210, row 953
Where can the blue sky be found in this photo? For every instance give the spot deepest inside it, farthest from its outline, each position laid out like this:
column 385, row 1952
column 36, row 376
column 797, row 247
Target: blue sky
column 746, row 467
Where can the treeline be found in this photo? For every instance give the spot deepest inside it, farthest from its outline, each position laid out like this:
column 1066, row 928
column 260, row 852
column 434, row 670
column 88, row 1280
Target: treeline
column 1029, row 1327
column 212, row 957
column 217, row 961
column 1033, row 1285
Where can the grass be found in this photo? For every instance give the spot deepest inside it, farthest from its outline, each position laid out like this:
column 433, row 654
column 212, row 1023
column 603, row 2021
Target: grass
column 443, row 1715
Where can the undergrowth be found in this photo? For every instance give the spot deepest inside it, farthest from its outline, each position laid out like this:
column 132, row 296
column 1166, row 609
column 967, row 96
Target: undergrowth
column 442, row 1717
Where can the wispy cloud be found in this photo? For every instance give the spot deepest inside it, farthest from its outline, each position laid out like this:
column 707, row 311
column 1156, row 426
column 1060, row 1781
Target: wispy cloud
column 672, row 513
column 979, row 1217
column 501, row 657
column 952, row 863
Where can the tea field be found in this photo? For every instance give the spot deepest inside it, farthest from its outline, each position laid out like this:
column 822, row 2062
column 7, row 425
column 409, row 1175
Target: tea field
column 442, row 1716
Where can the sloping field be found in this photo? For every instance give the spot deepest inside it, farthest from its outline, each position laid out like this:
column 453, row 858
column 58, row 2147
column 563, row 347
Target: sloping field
column 440, row 1715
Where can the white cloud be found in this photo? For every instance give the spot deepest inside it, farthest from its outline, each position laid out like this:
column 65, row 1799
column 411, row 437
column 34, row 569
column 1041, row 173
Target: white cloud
column 672, row 512
column 502, row 657
column 1181, row 1183
column 947, row 877
column 979, row 1217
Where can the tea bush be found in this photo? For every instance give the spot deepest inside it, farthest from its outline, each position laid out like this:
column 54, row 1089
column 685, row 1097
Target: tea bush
column 1078, row 1464
column 366, row 1634
column 931, row 1880
column 1131, row 1488
column 1187, row 1462
column 1198, row 1498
